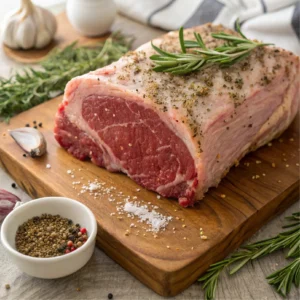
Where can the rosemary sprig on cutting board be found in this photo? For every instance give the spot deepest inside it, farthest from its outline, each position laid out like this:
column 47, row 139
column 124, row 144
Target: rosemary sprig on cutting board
column 35, row 86
column 282, row 279
column 235, row 49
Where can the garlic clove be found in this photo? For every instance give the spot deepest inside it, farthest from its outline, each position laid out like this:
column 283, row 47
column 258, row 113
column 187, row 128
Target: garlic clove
column 43, row 37
column 51, row 24
column 7, row 203
column 25, row 34
column 9, row 29
column 30, row 140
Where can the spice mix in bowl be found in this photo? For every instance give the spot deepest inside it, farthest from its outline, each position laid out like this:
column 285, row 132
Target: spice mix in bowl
column 50, row 237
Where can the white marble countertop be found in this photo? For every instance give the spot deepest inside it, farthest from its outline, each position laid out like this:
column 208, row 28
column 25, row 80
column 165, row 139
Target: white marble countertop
column 102, row 275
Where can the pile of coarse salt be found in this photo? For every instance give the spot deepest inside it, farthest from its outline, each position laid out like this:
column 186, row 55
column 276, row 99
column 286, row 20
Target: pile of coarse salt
column 156, row 220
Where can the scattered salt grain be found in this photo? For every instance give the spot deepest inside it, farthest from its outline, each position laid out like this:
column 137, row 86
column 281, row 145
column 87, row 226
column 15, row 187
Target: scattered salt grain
column 69, row 172
column 156, row 220
column 48, row 166
column 158, row 197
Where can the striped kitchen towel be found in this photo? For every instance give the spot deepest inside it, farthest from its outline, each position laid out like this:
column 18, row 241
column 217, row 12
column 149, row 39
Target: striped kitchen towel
column 273, row 21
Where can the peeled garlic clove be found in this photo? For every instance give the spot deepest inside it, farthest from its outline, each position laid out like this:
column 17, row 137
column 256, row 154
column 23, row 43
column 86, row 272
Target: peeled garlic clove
column 30, row 140
column 7, row 203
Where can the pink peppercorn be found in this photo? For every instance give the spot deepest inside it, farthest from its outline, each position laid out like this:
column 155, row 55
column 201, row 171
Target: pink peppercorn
column 67, row 251
column 83, row 230
column 73, row 249
column 70, row 243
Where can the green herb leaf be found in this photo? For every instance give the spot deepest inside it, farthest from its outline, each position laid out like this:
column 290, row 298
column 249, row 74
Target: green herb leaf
column 282, row 279
column 236, row 49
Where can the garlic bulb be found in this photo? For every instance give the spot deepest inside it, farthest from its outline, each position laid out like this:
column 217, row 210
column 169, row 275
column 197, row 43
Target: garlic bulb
column 30, row 27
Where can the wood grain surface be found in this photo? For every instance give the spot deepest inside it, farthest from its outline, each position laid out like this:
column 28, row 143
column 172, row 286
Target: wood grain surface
column 65, row 35
column 227, row 222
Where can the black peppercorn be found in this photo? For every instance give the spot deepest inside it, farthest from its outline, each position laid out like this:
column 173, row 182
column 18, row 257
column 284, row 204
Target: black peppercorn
column 27, row 125
column 34, row 122
column 110, row 296
column 60, row 249
column 35, row 126
column 41, row 124
column 13, row 185
column 71, row 238
column 24, row 155
column 36, row 219
column 77, row 225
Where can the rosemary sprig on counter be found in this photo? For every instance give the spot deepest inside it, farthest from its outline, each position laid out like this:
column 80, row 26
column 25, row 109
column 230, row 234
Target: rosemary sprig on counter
column 35, row 86
column 282, row 279
column 235, row 49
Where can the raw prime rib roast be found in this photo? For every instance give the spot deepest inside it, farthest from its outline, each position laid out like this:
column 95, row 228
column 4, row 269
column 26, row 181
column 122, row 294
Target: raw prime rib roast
column 178, row 135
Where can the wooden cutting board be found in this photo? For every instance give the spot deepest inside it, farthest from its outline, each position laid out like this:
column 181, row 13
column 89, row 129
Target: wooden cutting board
column 175, row 258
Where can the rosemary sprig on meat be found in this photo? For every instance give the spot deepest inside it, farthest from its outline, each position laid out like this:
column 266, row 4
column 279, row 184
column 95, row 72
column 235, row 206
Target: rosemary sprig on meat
column 35, row 86
column 235, row 49
column 282, row 279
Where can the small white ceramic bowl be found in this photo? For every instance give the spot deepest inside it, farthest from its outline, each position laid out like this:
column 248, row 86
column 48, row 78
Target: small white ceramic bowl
column 53, row 267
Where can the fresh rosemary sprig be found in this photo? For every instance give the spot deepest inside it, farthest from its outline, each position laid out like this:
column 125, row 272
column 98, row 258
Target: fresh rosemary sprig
column 34, row 86
column 282, row 280
column 235, row 49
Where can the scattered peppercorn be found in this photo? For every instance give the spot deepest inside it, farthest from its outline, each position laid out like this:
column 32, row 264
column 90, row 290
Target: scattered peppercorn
column 24, row 155
column 41, row 124
column 13, row 185
column 110, row 296
column 27, row 125
column 34, row 122
column 35, row 127
column 7, row 286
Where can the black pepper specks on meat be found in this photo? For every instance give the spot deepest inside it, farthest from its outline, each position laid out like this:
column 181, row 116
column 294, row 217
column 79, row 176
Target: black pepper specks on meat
column 239, row 83
column 227, row 77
